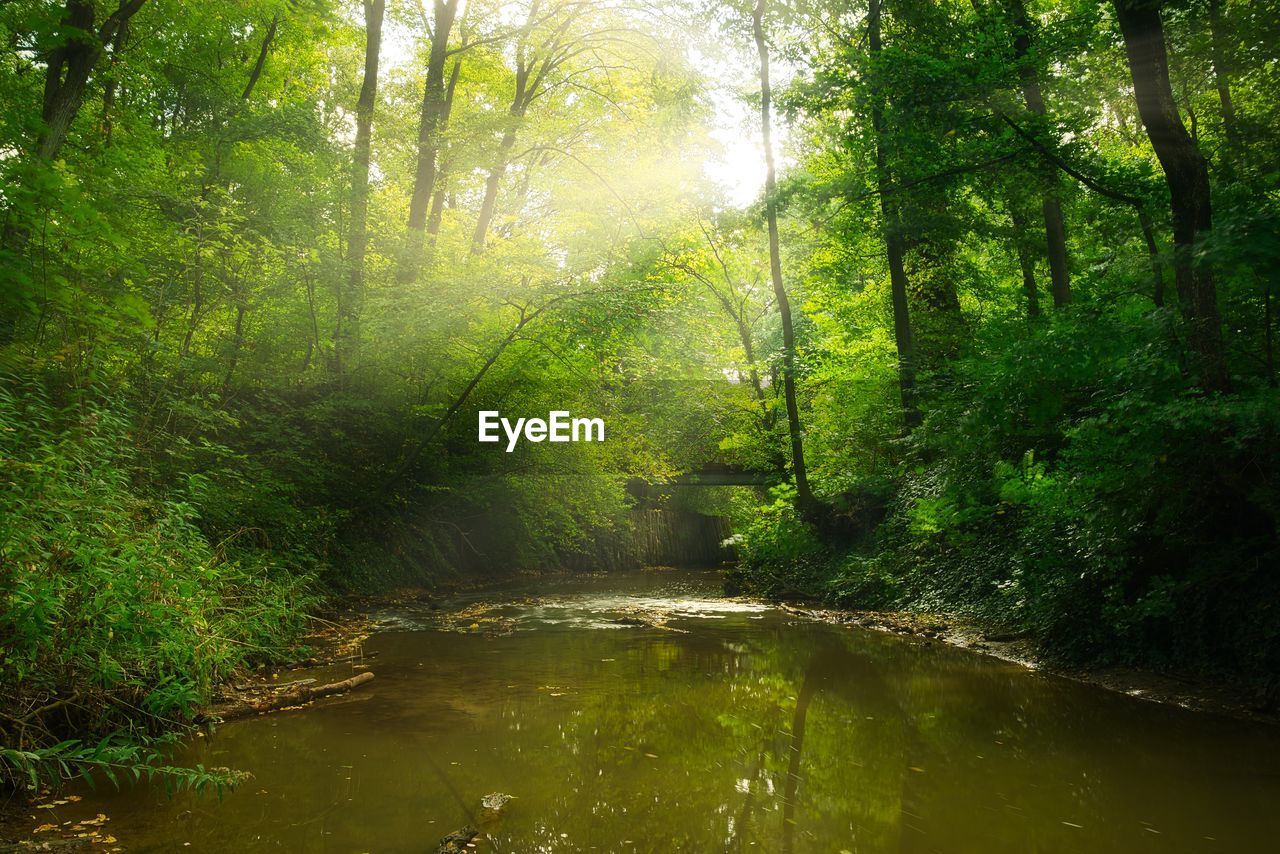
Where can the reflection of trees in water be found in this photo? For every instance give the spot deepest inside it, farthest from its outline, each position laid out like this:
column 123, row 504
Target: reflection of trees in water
column 741, row 735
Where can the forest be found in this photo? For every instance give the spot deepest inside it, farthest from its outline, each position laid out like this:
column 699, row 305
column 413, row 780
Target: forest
column 985, row 310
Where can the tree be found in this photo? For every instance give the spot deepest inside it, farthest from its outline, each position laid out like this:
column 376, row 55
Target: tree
column 1186, row 172
column 350, row 299
column 1051, row 205
column 434, row 114
column 891, row 227
column 805, row 502
column 78, row 45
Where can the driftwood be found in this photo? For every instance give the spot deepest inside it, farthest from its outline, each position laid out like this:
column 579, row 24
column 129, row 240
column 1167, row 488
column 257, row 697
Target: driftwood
column 325, row 662
column 296, row 694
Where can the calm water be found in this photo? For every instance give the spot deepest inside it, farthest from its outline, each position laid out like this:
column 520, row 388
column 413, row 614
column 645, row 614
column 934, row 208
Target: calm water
column 735, row 727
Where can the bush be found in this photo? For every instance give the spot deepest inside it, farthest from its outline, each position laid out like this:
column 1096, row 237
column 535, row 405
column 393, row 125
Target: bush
column 1078, row 487
column 112, row 601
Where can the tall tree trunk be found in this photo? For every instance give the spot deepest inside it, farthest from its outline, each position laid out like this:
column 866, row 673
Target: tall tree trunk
column 1187, row 175
column 1026, row 260
column 1153, row 253
column 1222, row 79
column 66, row 76
column 804, row 496
column 489, row 206
column 111, row 85
column 236, row 343
column 69, row 65
column 197, row 289
column 351, row 298
column 895, row 245
column 436, row 216
column 430, row 126
column 1055, row 230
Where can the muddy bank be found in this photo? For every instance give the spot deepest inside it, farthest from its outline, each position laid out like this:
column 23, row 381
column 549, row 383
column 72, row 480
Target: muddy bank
column 1189, row 692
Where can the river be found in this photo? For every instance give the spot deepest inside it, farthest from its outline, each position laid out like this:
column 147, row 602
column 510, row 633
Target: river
column 723, row 725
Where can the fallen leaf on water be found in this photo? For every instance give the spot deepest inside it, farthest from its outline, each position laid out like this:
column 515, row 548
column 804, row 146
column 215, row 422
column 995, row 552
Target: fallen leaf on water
column 73, row 798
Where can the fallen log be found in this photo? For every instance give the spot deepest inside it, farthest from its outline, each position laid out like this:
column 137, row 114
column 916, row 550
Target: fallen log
column 296, row 694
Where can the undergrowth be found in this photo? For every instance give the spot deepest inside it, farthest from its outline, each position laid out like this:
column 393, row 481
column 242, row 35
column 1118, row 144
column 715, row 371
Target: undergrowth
column 118, row 614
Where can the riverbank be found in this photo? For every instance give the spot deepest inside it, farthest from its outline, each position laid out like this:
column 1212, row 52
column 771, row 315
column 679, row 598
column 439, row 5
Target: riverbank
column 346, row 624
column 1189, row 692
column 645, row 706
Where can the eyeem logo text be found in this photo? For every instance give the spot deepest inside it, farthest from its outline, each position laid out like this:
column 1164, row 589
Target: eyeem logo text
column 558, row 427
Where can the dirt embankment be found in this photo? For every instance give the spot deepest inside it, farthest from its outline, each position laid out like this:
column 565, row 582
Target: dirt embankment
column 1189, row 692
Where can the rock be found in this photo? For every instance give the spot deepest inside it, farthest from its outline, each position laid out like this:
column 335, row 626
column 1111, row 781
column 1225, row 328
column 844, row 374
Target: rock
column 457, row 841
column 492, row 805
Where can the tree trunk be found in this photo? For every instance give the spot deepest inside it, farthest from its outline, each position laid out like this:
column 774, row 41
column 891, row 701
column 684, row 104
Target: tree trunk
column 69, row 66
column 1222, row 79
column 895, row 245
column 489, row 206
column 294, row 695
column 1026, row 260
column 804, row 497
column 352, row 297
column 430, row 125
column 1054, row 224
column 1055, row 230
column 263, row 52
column 111, row 85
column 1187, row 175
column 436, row 216
column 66, row 76
column 236, row 343
column 1153, row 253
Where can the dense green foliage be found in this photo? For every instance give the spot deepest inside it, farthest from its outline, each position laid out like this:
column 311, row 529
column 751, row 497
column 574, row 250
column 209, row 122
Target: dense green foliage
column 264, row 261
column 213, row 413
column 1076, row 475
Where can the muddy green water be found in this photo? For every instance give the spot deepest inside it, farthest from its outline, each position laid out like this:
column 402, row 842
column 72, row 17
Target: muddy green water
column 736, row 727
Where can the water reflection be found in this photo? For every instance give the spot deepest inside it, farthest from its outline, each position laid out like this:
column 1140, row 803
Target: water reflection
column 720, row 727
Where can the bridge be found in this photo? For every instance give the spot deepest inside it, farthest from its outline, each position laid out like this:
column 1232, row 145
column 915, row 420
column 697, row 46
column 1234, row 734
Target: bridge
column 718, row 474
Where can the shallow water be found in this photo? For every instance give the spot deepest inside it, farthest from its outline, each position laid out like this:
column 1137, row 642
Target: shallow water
column 731, row 727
